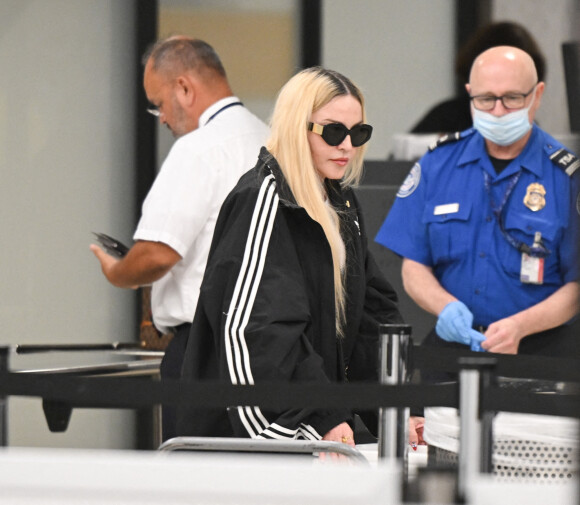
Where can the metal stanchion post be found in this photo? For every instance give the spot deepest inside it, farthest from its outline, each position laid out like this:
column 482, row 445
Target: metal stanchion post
column 488, row 380
column 475, row 437
column 394, row 345
column 4, row 400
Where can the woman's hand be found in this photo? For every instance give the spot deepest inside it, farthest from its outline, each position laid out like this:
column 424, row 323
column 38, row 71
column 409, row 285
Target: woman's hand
column 341, row 433
column 416, row 425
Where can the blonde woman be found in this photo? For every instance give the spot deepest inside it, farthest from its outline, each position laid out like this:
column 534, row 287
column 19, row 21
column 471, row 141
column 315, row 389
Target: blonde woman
column 290, row 291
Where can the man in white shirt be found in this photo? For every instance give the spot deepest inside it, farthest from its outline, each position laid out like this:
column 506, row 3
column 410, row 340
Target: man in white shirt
column 218, row 140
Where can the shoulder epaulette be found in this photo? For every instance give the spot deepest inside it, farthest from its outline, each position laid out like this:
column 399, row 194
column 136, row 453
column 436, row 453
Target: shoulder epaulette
column 565, row 160
column 446, row 139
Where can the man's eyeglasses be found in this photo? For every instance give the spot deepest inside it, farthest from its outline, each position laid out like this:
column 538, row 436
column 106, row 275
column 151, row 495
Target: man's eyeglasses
column 334, row 133
column 509, row 101
column 154, row 111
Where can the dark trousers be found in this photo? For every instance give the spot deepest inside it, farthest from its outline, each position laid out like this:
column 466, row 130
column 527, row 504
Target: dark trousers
column 171, row 369
column 562, row 341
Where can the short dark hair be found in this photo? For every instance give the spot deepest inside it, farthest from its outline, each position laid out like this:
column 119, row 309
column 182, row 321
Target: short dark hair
column 503, row 33
column 179, row 53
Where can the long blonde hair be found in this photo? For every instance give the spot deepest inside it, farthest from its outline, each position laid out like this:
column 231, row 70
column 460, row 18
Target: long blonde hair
column 303, row 94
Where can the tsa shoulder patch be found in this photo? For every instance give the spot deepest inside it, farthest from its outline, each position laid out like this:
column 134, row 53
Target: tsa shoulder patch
column 411, row 182
column 445, row 139
column 566, row 161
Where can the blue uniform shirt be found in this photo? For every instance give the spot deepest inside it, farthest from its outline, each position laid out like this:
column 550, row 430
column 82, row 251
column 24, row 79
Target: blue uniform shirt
column 443, row 218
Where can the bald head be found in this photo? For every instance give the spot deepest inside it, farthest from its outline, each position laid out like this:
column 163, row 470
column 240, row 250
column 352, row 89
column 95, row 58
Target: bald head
column 505, row 70
column 505, row 65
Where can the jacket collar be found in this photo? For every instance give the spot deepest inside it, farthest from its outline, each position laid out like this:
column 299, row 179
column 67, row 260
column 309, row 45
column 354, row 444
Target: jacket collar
column 333, row 188
column 271, row 165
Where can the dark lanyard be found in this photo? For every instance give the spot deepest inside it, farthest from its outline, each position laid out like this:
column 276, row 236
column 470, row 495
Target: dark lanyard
column 222, row 109
column 536, row 250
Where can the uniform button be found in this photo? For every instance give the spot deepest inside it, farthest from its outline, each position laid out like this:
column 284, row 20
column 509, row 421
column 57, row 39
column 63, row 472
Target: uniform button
column 482, row 255
column 488, row 219
column 477, row 291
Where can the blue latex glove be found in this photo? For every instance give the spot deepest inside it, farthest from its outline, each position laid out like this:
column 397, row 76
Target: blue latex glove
column 454, row 323
column 476, row 339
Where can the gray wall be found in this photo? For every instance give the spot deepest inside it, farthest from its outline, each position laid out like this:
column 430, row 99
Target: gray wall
column 66, row 165
column 399, row 52
column 551, row 22
column 402, row 53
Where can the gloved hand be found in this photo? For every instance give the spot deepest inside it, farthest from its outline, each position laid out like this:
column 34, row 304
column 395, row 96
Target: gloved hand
column 454, row 323
column 476, row 339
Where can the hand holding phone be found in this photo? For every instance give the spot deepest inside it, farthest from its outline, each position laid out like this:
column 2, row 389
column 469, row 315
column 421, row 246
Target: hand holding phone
column 111, row 245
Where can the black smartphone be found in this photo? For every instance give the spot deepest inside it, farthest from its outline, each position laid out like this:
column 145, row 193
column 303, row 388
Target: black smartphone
column 113, row 246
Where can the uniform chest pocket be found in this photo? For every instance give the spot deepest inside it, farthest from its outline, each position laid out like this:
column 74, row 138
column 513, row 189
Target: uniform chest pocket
column 448, row 227
column 522, row 227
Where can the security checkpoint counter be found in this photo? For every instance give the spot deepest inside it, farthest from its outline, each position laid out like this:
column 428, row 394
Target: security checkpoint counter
column 527, row 448
column 123, row 360
column 84, row 359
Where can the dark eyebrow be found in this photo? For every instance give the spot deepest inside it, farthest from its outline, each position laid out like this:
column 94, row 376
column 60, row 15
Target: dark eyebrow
column 334, row 121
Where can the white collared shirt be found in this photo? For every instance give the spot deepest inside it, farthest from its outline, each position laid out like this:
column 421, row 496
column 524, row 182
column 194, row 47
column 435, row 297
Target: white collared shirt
column 183, row 204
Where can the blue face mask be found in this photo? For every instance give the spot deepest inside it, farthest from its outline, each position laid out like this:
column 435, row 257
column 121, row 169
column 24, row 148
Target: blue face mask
column 503, row 130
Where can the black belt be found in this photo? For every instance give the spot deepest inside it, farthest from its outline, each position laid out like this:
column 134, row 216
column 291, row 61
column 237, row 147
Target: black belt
column 480, row 328
column 179, row 327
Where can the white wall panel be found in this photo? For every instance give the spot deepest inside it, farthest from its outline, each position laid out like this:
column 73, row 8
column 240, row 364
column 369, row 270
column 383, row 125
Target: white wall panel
column 66, row 169
column 400, row 53
column 551, row 24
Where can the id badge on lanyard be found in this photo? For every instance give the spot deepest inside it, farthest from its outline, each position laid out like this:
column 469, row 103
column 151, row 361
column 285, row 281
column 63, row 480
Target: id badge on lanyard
column 532, row 269
column 532, row 264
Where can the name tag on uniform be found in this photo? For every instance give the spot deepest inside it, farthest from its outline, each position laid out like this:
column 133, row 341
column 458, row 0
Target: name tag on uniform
column 448, row 208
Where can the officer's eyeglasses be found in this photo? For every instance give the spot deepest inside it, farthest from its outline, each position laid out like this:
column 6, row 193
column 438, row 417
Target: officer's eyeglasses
column 509, row 101
column 334, row 133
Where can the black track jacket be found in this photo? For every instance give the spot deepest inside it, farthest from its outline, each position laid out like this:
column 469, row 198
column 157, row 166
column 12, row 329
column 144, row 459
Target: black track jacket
column 266, row 307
